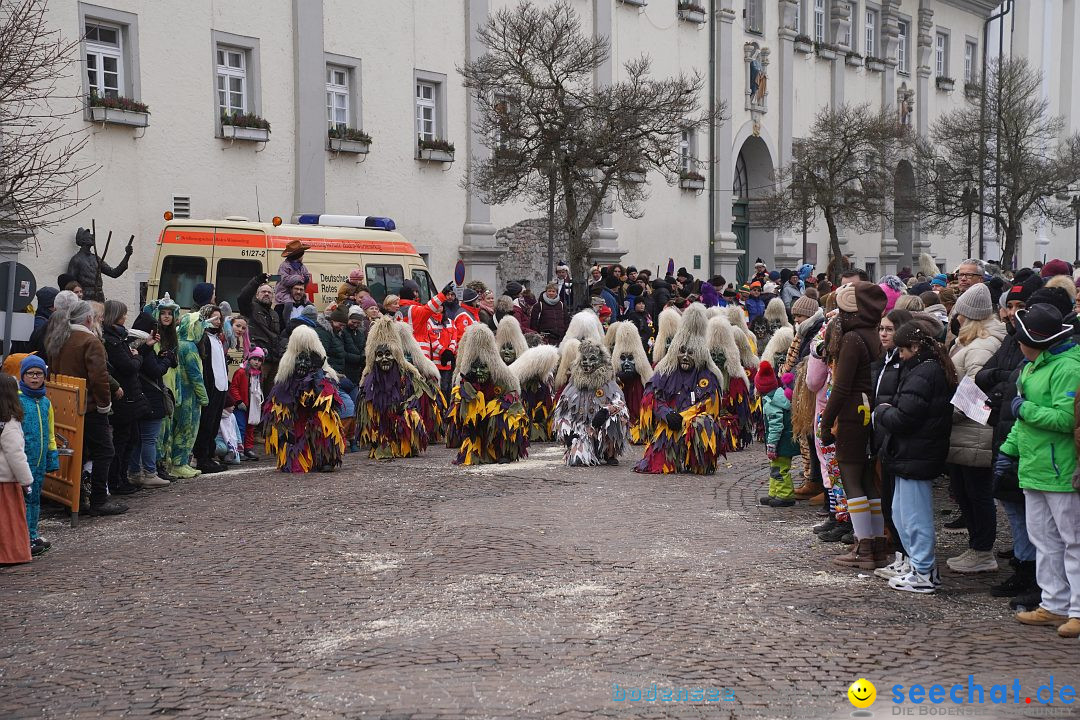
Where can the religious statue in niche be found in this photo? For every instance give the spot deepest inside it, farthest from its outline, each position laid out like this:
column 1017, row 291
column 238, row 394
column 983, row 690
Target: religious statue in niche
column 905, row 104
column 87, row 266
column 758, row 60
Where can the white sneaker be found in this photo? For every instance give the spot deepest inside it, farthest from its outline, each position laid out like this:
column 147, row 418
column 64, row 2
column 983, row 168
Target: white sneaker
column 916, row 582
column 974, row 561
column 899, row 566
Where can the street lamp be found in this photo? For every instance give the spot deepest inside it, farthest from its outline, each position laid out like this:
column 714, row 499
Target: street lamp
column 1075, row 205
column 969, row 200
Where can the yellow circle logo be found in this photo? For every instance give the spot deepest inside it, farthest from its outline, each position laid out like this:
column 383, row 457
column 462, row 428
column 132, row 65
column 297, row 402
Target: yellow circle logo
column 862, row 693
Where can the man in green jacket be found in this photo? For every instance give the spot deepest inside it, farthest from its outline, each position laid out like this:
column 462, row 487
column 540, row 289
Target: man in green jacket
column 1042, row 440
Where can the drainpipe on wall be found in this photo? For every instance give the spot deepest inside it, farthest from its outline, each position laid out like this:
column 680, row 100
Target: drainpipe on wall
column 712, row 137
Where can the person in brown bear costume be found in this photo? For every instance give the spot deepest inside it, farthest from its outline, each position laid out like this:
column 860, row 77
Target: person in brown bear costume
column 846, row 418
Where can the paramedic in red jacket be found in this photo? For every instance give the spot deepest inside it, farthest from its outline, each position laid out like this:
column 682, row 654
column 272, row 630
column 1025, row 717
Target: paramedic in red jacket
column 418, row 314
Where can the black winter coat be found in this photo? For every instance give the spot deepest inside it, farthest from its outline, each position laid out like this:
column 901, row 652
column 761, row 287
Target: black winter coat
column 885, row 372
column 151, row 374
column 993, row 380
column 661, row 295
column 918, row 423
column 124, row 367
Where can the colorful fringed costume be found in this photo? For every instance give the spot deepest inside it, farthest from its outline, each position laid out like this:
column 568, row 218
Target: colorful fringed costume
column 633, row 371
column 591, row 417
column 682, row 404
column 302, row 411
column 389, row 413
column 534, row 369
column 735, row 399
column 486, row 403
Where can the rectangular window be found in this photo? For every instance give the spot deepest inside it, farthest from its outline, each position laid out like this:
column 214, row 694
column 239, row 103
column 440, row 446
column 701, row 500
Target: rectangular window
column 423, row 281
column 337, row 97
column 688, row 151
column 941, row 49
column 383, row 280
column 232, row 276
column 870, row 33
column 104, row 60
column 902, row 47
column 755, row 20
column 849, row 36
column 819, row 21
column 232, row 80
column 871, row 270
column 179, row 276
column 426, row 118
column 798, row 18
column 971, row 54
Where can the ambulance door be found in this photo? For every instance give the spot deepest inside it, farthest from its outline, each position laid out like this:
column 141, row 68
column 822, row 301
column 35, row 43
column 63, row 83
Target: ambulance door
column 184, row 257
column 239, row 255
column 423, row 280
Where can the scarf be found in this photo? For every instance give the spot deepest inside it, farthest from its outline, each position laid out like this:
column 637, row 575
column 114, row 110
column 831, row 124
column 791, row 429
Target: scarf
column 217, row 361
column 29, row 392
column 488, row 307
column 549, row 301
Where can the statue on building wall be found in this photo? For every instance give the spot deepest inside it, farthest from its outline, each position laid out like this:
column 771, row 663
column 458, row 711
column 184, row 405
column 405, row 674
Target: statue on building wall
column 87, row 267
column 905, row 103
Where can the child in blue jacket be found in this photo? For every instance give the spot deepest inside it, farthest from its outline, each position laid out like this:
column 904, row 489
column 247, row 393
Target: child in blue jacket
column 780, row 445
column 39, row 433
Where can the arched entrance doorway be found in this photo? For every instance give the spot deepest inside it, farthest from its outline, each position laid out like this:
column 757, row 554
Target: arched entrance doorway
column 753, row 179
column 904, row 227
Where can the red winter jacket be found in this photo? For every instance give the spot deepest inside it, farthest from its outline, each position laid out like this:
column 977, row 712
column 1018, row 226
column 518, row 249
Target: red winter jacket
column 417, row 316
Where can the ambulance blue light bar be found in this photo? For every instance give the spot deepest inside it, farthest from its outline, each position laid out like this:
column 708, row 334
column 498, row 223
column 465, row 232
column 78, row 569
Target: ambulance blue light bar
column 351, row 221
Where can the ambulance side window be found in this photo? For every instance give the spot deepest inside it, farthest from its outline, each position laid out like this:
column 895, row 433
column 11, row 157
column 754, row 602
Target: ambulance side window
column 383, row 280
column 232, row 276
column 421, row 278
column 179, row 276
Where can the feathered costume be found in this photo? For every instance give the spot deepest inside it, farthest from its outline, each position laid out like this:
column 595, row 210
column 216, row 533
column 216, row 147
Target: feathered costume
column 432, row 405
column 633, row 371
column 745, row 341
column 534, row 370
column 509, row 339
column 666, row 327
column 303, row 411
column 590, row 417
column 683, row 405
column 736, row 418
column 389, row 413
column 486, row 403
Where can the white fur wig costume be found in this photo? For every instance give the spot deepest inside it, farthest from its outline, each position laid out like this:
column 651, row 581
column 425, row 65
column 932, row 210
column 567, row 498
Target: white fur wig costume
column 389, row 410
column 427, row 380
column 590, row 417
column 633, row 371
column 486, row 403
column 682, row 407
column 776, row 315
column 508, row 333
column 303, row 424
column 609, row 337
column 775, row 352
column 737, row 318
column 736, row 399
column 584, row 325
column 667, row 325
column 535, row 371
column 927, row 266
column 568, row 350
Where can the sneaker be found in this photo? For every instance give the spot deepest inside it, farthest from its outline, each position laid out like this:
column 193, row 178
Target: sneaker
column 150, row 480
column 208, row 468
column 848, row 538
column 955, row 526
column 1041, row 616
column 777, row 502
column 974, row 561
column 249, row 454
column 916, row 582
column 185, row 471
column 899, row 566
column 107, row 506
column 125, row 487
column 765, row 500
column 1006, row 554
column 1026, row 601
column 39, row 546
column 1071, row 629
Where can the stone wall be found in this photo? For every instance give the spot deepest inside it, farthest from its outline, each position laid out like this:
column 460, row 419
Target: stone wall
column 526, row 252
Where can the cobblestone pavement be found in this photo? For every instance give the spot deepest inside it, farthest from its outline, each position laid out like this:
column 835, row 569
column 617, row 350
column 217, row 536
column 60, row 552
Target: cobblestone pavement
column 414, row 589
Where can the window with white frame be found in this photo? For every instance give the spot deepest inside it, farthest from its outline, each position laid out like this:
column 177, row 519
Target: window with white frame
column 849, row 36
column 426, row 110
column 798, row 17
column 755, row 16
column 688, row 151
column 506, row 110
column 941, row 52
column 104, row 60
column 232, row 80
column 971, row 54
column 870, row 23
column 902, row 46
column 819, row 21
column 337, row 97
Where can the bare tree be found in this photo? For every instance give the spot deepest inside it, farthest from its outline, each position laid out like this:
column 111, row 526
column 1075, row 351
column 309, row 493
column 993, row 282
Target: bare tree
column 1007, row 137
column 39, row 170
column 842, row 172
column 558, row 138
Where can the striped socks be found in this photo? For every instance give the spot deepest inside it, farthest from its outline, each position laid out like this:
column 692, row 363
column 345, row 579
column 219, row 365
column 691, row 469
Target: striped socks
column 861, row 522
column 877, row 520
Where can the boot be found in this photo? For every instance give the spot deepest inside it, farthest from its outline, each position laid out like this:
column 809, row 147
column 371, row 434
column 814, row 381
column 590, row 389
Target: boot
column 826, row 526
column 808, row 490
column 860, row 556
column 881, row 553
column 838, row 532
column 1022, row 581
column 1026, row 601
column 818, row 499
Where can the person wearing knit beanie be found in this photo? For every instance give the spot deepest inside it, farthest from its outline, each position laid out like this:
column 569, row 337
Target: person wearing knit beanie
column 1052, row 296
column 939, row 281
column 1055, row 267
column 975, row 303
column 804, row 307
column 765, row 380
column 203, row 294
column 1023, row 289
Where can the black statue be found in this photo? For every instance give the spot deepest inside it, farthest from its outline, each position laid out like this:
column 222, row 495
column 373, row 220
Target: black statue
column 87, row 267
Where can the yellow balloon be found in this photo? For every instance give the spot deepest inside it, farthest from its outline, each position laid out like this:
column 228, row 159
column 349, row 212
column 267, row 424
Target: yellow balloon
column 862, row 693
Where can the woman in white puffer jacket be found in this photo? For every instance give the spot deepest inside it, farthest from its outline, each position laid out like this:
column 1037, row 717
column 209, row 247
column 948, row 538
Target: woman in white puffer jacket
column 971, row 443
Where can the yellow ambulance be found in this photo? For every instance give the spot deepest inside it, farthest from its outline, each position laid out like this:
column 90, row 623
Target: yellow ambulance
column 229, row 252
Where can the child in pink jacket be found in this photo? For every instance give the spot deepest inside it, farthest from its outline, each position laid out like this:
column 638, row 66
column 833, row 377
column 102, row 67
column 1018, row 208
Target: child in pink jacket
column 819, row 380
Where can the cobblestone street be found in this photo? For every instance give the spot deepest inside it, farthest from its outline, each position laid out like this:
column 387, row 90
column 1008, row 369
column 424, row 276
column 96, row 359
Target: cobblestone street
column 419, row 590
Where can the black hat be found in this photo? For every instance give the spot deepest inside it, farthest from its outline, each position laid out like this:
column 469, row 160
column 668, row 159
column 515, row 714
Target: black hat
column 631, row 269
column 997, row 285
column 634, row 289
column 145, row 322
column 682, row 273
column 1052, row 296
column 1023, row 288
column 63, row 279
column 1041, row 326
column 513, row 289
column 612, row 283
column 469, row 296
column 785, row 275
column 409, row 290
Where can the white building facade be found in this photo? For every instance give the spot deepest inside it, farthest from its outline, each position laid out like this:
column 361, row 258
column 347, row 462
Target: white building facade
column 390, row 69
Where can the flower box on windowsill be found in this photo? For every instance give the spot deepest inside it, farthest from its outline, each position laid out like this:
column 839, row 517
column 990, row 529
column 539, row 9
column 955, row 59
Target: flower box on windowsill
column 435, row 155
column 635, row 3
column 251, row 134
column 945, row 84
column 349, row 146
column 692, row 13
column 854, row 59
column 115, row 116
column 692, row 182
column 972, row 90
column 804, row 44
column 875, row 64
column 825, row 52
